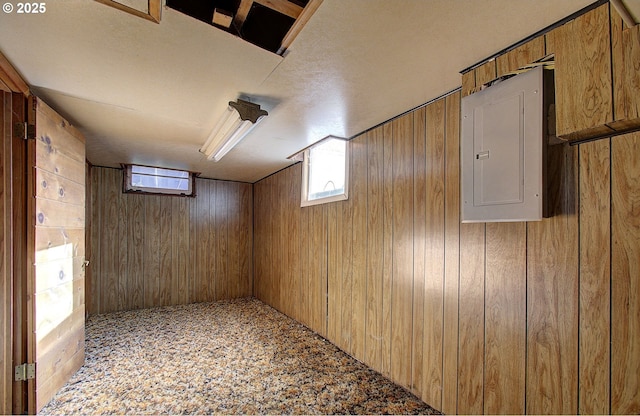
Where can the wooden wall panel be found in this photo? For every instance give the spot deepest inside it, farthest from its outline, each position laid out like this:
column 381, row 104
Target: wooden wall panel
column 625, row 274
column 387, row 246
column 471, row 311
column 507, row 302
column 358, row 189
column 420, row 214
column 334, row 264
column 505, row 315
column 552, row 293
column 452, row 255
column 625, row 51
column 486, row 72
column 151, row 250
column 402, row 255
column 375, row 272
column 595, row 277
column 221, row 233
column 434, row 253
column 532, row 51
column 583, row 73
column 345, row 272
column 245, row 247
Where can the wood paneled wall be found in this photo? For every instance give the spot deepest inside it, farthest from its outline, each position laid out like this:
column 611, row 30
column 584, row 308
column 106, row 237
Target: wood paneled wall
column 473, row 318
column 538, row 317
column 155, row 250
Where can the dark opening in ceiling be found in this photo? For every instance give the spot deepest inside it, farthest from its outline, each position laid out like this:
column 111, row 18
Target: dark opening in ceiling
column 264, row 23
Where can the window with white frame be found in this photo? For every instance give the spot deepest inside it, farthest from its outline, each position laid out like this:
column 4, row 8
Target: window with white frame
column 325, row 172
column 149, row 179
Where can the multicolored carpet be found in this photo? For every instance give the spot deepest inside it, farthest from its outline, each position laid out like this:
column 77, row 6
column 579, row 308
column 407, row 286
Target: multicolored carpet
column 230, row 357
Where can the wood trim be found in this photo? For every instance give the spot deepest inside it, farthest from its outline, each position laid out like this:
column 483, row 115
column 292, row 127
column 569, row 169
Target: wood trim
column 153, row 15
column 11, row 78
column 300, row 23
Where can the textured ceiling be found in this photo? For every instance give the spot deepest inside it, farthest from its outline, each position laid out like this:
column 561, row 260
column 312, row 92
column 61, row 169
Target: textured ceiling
column 151, row 93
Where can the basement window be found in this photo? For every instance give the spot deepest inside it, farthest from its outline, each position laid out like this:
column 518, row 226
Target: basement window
column 325, row 172
column 154, row 180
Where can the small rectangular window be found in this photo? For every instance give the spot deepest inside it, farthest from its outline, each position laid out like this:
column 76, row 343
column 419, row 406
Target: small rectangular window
column 325, row 172
column 149, row 179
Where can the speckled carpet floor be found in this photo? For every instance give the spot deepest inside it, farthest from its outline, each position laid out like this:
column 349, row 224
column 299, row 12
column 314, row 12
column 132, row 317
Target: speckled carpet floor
column 229, row 357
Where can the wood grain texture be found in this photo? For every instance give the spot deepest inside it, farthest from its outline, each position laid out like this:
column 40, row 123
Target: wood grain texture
column 485, row 73
column 434, row 253
column 334, row 263
column 23, row 257
column 625, row 274
column 402, row 255
column 505, row 314
column 523, row 308
column 6, row 266
column 154, row 260
column 294, row 233
column 468, row 83
column 582, row 72
column 151, row 250
column 532, row 51
column 11, row 78
column 387, row 247
column 452, row 255
column 595, row 277
column 420, row 213
column 471, row 310
column 375, row 230
column 57, row 358
column 552, row 293
column 625, row 54
column 358, row 189
column 346, row 272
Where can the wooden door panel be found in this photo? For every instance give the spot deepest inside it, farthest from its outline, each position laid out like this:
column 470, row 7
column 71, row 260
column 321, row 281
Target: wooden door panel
column 57, row 285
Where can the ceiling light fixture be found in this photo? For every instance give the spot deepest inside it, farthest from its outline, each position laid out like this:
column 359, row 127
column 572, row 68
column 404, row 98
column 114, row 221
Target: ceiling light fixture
column 241, row 116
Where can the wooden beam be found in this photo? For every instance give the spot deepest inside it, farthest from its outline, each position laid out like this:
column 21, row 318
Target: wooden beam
column 300, row 22
column 154, row 8
column 11, row 78
column 282, row 6
column 241, row 14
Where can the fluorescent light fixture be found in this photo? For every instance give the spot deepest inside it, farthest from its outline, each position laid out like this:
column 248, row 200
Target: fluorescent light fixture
column 241, row 116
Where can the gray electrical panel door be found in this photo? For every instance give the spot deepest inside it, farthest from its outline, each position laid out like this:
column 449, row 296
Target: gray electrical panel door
column 502, row 151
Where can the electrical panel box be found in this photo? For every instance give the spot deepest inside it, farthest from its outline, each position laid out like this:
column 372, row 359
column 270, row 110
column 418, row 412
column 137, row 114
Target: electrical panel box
column 503, row 149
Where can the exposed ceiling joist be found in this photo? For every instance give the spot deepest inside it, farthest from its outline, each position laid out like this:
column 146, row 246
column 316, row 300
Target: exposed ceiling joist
column 302, row 20
column 282, row 6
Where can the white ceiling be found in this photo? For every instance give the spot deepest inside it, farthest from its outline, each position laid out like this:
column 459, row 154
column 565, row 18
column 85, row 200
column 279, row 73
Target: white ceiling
column 151, row 93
